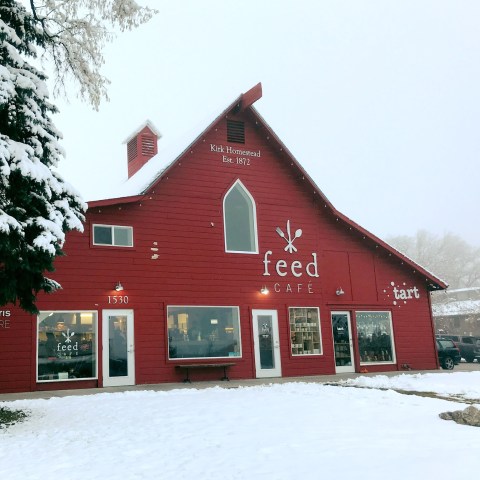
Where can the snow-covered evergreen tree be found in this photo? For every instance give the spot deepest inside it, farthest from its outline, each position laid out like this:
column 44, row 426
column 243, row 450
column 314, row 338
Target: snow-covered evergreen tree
column 37, row 207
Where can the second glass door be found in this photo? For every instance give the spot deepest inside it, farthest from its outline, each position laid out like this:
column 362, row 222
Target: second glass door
column 342, row 342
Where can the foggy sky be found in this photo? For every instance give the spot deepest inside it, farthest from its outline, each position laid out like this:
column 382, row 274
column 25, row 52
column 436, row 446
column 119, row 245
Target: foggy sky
column 378, row 100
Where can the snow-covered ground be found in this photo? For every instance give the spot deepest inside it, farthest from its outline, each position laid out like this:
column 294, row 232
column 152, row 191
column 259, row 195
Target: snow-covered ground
column 280, row 431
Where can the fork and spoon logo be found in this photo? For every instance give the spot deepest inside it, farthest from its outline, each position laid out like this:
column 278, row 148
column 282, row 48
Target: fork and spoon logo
column 290, row 247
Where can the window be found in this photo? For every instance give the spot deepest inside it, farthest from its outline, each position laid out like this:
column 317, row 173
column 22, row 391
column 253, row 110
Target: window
column 375, row 338
column 240, row 220
column 113, row 235
column 67, row 346
column 305, row 331
column 203, row 332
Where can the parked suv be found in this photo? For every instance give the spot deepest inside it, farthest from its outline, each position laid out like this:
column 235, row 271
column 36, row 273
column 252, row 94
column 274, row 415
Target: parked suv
column 448, row 353
column 476, row 351
column 466, row 344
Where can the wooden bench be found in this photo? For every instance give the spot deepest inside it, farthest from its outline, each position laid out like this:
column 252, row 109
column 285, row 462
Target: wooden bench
column 197, row 366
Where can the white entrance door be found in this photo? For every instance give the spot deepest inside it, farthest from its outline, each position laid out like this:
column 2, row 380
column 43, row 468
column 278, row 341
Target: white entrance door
column 118, row 348
column 342, row 342
column 267, row 344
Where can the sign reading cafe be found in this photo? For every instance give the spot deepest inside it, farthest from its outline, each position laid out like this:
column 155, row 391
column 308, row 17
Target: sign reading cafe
column 298, row 269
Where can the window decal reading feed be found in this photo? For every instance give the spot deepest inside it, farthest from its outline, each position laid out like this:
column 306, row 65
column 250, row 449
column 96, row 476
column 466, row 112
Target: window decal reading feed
column 66, row 345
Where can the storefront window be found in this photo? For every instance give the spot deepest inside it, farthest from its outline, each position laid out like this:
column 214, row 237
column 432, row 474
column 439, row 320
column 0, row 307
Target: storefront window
column 67, row 346
column 305, row 331
column 203, row 332
column 375, row 338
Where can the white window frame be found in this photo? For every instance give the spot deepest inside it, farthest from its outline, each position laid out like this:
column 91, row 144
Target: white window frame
column 254, row 219
column 319, row 333
column 394, row 355
column 95, row 312
column 113, row 244
column 237, row 308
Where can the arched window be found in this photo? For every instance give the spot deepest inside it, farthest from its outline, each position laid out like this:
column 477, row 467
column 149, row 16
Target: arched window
column 240, row 220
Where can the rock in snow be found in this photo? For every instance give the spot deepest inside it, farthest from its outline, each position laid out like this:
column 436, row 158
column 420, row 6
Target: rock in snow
column 469, row 416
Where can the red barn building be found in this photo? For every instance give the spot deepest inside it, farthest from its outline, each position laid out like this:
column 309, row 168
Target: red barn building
column 221, row 252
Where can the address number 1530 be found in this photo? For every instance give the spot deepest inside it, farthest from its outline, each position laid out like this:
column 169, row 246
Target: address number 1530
column 118, row 299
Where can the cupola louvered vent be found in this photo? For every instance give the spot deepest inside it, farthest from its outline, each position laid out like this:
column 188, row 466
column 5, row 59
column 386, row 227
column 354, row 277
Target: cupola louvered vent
column 148, row 145
column 235, row 131
column 142, row 145
column 132, row 149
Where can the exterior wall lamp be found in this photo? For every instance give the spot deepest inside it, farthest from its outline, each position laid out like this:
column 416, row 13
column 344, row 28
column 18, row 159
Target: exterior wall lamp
column 118, row 287
column 264, row 290
column 340, row 291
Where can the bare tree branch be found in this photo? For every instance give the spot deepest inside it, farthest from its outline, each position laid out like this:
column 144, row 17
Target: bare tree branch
column 75, row 33
column 449, row 257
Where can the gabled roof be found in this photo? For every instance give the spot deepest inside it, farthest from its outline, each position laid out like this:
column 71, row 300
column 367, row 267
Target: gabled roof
column 453, row 309
column 138, row 186
column 160, row 164
column 148, row 124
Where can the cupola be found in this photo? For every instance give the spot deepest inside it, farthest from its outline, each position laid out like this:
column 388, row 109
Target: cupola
column 141, row 146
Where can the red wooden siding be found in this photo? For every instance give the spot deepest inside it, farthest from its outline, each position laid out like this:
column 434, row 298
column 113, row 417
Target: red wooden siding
column 179, row 258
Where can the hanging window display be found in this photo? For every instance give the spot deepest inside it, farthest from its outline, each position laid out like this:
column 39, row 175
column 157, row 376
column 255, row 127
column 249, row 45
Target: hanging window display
column 305, row 331
column 375, row 338
column 67, row 346
column 203, row 332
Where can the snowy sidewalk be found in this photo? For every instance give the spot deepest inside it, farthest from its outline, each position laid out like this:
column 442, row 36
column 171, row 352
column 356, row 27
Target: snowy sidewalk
column 5, row 397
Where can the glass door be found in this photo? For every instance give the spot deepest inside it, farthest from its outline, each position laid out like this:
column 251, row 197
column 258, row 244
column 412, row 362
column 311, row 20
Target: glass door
column 266, row 343
column 118, row 348
column 342, row 342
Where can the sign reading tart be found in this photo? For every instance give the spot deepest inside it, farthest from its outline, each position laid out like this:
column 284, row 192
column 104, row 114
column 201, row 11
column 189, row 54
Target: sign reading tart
column 235, row 156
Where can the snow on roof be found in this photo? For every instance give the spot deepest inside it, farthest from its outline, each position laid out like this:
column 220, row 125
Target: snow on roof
column 469, row 289
column 148, row 124
column 166, row 156
column 460, row 307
